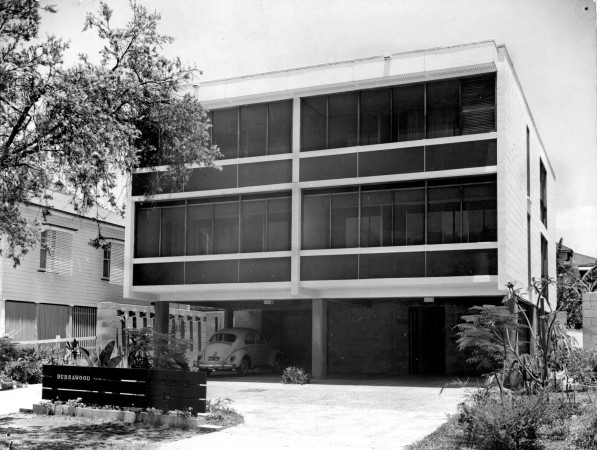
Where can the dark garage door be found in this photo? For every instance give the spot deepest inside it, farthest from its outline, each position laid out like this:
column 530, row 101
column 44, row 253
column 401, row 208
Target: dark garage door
column 427, row 340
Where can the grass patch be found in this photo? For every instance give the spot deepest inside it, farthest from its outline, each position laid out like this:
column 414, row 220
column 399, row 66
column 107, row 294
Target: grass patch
column 30, row 431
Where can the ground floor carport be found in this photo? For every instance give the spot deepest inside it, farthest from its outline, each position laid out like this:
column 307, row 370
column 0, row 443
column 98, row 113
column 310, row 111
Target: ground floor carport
column 329, row 337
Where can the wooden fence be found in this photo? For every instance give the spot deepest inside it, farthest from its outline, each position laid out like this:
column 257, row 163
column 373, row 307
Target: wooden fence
column 142, row 388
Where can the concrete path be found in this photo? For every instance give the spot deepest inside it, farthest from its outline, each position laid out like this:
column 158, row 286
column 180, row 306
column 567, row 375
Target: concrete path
column 13, row 399
column 331, row 414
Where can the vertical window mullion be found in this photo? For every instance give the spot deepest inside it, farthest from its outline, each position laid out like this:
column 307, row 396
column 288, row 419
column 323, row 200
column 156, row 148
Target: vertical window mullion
column 359, row 219
column 213, row 229
column 426, row 214
column 238, row 116
column 160, row 239
column 461, row 214
column 330, row 221
column 424, row 110
column 327, row 122
column 265, row 231
column 359, row 124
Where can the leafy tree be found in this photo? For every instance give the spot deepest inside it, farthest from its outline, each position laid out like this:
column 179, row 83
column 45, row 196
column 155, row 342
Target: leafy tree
column 77, row 129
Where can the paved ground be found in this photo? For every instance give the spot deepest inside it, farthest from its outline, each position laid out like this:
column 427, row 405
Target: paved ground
column 351, row 413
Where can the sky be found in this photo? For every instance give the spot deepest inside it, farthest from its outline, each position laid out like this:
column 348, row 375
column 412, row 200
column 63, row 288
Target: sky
column 552, row 44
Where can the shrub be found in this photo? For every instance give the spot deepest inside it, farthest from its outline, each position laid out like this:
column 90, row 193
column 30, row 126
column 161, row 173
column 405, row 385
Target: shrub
column 583, row 428
column 295, row 375
column 8, row 351
column 506, row 423
column 24, row 370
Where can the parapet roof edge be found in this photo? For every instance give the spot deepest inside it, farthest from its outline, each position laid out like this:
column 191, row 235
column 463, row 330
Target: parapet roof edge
column 334, row 63
column 526, row 104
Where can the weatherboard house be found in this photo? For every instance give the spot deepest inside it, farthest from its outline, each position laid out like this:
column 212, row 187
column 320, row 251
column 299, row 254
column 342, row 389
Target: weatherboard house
column 362, row 207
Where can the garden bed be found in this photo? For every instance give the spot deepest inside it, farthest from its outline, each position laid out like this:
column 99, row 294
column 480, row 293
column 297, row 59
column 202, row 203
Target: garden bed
column 157, row 419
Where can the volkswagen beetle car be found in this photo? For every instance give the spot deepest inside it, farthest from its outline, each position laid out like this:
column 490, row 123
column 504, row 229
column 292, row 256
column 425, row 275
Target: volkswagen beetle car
column 239, row 349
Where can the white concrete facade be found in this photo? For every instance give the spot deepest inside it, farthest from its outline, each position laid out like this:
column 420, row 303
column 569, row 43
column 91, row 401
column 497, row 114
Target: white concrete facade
column 513, row 119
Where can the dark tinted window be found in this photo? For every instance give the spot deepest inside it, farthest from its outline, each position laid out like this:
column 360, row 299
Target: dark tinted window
column 253, row 130
column 211, row 272
column 345, row 220
column 408, row 120
column 200, row 232
column 443, row 98
column 147, row 232
column 158, row 274
column 342, row 120
column 278, row 224
column 460, row 263
column 264, row 270
column 225, row 131
column 392, row 265
column 375, row 117
column 279, row 131
column 226, row 232
column 313, row 123
column 390, row 162
column 543, row 193
column 208, row 178
column 328, row 167
column 266, row 172
column 334, row 267
column 376, row 218
column 316, row 221
column 172, row 233
column 460, row 155
column 444, row 215
column 479, row 213
column 254, row 225
column 409, row 217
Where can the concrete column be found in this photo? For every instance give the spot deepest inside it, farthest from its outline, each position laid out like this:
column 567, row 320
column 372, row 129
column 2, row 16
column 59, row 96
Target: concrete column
column 228, row 318
column 589, row 320
column 319, row 343
column 161, row 320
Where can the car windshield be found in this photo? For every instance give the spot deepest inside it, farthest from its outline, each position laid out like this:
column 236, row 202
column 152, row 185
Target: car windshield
column 223, row 337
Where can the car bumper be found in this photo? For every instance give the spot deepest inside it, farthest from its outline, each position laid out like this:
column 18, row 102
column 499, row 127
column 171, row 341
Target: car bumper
column 213, row 366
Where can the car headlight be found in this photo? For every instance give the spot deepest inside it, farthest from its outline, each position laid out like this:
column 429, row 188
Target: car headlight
column 232, row 358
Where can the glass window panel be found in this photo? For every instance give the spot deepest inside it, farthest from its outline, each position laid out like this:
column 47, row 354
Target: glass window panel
column 478, row 104
column 225, row 228
column 479, row 209
column 225, row 131
column 158, row 274
column 328, row 167
column 279, row 130
column 278, row 224
column 342, row 120
column 265, row 172
column 461, row 155
column 147, row 232
column 443, row 104
column 392, row 265
column 211, row 272
column 376, row 218
column 313, row 123
column 264, row 270
column 408, row 106
column 391, row 162
column 253, row 226
column 345, row 220
column 409, row 217
column 444, row 215
column 253, row 130
column 375, row 117
column 173, row 223
column 200, row 231
column 461, row 263
column 332, row 267
column 316, row 222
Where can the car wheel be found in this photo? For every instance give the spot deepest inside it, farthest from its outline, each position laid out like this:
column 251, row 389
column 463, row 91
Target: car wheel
column 277, row 367
column 243, row 368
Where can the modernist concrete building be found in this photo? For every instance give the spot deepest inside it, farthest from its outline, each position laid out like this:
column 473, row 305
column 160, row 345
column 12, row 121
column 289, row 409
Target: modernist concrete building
column 362, row 207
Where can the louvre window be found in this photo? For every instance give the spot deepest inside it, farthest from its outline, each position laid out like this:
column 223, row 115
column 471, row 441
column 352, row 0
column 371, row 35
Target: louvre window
column 253, row 130
column 106, row 263
column 56, row 252
column 116, row 264
column 403, row 113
